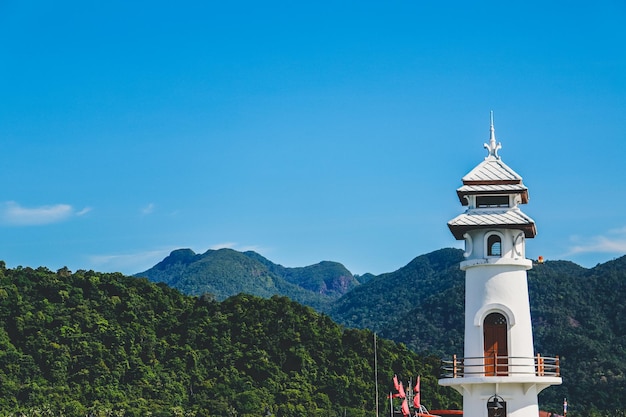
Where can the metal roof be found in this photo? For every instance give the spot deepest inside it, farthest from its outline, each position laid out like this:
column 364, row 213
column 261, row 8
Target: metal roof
column 492, row 170
column 492, row 177
column 492, row 188
column 508, row 218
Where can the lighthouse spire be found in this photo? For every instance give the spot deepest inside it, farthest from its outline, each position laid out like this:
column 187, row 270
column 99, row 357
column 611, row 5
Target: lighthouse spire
column 492, row 148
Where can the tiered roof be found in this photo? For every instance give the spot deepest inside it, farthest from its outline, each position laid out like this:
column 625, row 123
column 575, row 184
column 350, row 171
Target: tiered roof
column 503, row 218
column 492, row 177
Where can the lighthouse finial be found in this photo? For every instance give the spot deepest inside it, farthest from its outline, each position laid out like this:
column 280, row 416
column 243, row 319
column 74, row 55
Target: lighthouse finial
column 492, row 148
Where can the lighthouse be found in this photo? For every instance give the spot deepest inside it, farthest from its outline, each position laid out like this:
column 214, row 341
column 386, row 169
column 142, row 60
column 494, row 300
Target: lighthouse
column 499, row 374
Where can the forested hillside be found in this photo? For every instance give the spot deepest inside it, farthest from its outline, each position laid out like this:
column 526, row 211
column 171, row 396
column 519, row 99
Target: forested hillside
column 378, row 304
column 88, row 343
column 577, row 313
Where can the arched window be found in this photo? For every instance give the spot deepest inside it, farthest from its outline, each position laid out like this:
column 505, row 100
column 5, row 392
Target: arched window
column 494, row 245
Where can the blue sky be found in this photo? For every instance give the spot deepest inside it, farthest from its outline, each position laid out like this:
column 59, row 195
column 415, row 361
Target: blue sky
column 304, row 131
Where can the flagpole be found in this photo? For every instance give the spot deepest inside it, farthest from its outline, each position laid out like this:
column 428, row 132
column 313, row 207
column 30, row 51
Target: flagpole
column 376, row 373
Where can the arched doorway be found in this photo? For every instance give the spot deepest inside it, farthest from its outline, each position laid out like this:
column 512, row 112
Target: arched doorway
column 496, row 346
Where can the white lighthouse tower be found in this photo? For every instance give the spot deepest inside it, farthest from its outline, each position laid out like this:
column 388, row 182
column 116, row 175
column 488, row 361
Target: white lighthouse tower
column 499, row 374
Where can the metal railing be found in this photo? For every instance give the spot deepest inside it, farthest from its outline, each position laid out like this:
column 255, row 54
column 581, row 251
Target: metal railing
column 500, row 366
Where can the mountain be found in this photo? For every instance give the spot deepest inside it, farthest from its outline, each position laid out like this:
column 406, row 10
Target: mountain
column 577, row 313
column 226, row 272
column 377, row 304
column 97, row 344
column 326, row 278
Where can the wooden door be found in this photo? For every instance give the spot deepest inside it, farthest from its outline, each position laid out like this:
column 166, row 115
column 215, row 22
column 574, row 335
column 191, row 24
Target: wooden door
column 496, row 347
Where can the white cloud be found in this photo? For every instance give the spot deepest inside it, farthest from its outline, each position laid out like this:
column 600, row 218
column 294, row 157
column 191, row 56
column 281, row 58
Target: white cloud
column 148, row 209
column 254, row 248
column 83, row 211
column 129, row 263
column 613, row 242
column 11, row 213
column 132, row 263
column 224, row 245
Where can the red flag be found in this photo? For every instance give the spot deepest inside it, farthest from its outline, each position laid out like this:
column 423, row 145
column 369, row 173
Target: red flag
column 401, row 392
column 416, row 398
column 405, row 408
column 395, row 383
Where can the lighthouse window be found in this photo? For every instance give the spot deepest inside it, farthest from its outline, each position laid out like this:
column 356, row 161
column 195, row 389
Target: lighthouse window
column 492, row 201
column 494, row 245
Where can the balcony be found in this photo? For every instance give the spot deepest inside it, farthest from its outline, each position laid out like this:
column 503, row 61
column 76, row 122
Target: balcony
column 500, row 366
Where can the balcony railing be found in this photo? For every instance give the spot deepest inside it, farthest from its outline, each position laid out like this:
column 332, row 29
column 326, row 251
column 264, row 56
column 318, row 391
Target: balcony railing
column 500, row 366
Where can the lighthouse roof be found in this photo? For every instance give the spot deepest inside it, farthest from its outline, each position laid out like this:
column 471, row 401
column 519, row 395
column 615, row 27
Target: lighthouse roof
column 492, row 170
column 492, row 191
column 492, row 176
column 510, row 218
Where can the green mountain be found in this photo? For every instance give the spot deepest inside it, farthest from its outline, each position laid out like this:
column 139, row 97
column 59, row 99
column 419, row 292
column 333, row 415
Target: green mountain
column 578, row 314
column 88, row 343
column 326, row 278
column 226, row 272
column 378, row 303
